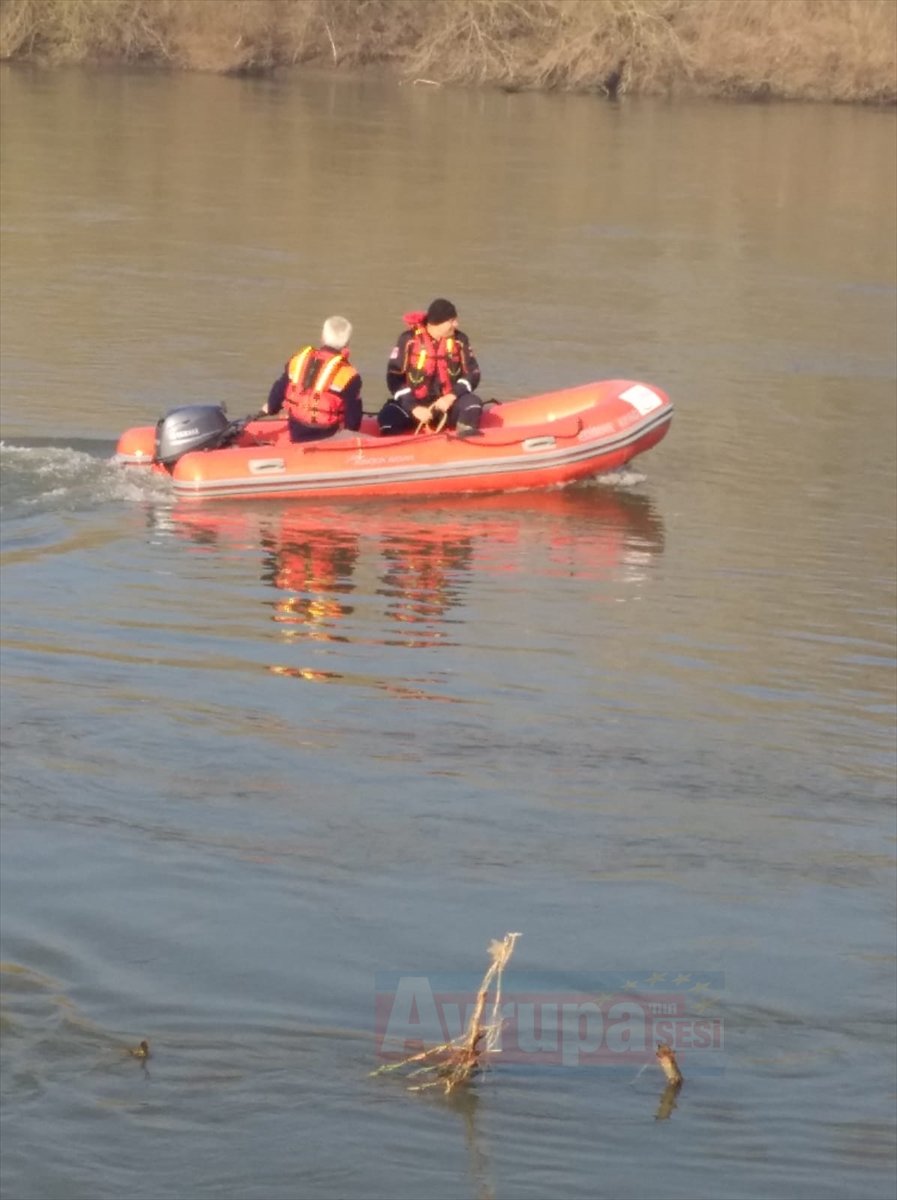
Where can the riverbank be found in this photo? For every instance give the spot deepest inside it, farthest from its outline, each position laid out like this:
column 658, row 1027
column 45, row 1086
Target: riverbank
column 828, row 50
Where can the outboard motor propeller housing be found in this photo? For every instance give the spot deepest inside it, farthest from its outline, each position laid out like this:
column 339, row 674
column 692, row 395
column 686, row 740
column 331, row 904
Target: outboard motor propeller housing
column 193, row 427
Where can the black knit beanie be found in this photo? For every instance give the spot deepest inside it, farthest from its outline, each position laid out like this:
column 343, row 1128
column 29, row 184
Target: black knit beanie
column 439, row 311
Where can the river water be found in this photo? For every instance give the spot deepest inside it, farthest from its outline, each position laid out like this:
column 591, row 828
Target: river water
column 267, row 767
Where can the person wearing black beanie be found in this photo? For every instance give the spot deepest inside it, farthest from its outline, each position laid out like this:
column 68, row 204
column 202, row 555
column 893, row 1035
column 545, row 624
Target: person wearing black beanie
column 439, row 311
column 432, row 375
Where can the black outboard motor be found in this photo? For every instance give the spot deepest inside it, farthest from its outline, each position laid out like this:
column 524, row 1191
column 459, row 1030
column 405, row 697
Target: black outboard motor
column 194, row 427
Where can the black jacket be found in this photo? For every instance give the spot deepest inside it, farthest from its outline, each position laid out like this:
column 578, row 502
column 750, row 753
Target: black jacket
column 397, row 372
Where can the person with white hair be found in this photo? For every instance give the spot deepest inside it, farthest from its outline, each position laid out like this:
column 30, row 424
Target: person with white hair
column 319, row 388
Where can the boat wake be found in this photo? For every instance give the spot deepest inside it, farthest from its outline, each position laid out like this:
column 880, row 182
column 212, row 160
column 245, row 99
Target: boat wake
column 40, row 478
column 626, row 477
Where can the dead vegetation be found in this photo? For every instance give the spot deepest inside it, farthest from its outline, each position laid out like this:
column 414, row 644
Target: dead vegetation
column 669, row 1064
column 842, row 50
column 454, row 1064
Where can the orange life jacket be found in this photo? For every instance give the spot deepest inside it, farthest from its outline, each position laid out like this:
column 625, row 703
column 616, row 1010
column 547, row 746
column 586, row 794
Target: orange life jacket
column 429, row 360
column 315, row 379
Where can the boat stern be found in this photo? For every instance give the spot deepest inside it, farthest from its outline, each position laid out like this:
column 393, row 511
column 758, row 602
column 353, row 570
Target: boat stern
column 136, row 446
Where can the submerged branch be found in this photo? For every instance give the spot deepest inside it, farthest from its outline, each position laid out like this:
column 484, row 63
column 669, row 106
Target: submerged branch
column 457, row 1062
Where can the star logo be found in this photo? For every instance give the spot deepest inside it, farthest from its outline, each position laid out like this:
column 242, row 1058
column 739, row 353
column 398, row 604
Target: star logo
column 656, row 977
column 680, row 979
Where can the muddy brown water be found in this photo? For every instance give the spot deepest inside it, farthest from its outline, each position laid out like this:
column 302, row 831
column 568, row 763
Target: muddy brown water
column 271, row 772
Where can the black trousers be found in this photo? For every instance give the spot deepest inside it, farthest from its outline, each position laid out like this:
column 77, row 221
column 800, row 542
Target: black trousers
column 300, row 432
column 466, row 410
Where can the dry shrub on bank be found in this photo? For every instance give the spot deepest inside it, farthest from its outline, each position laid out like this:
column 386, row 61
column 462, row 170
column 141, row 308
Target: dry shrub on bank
column 808, row 49
column 802, row 49
column 573, row 44
column 76, row 30
column 259, row 35
column 224, row 36
column 482, row 41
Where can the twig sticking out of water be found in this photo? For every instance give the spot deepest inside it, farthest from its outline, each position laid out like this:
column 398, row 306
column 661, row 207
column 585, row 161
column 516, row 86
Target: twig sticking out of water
column 667, row 1058
column 456, row 1063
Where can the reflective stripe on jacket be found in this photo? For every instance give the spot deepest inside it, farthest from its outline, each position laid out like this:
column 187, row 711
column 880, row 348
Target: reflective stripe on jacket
column 430, row 362
column 315, row 381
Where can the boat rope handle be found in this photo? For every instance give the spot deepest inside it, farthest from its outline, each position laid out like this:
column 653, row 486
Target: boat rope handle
column 565, row 428
column 425, row 426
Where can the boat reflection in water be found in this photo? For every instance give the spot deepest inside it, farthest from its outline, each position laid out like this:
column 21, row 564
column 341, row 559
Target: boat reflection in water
column 423, row 576
column 347, row 573
column 314, row 566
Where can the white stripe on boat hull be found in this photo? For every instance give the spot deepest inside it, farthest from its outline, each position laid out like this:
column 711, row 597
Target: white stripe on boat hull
column 528, row 462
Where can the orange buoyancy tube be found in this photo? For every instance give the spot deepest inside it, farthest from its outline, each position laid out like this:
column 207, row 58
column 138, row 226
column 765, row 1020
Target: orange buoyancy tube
column 315, row 379
column 428, row 358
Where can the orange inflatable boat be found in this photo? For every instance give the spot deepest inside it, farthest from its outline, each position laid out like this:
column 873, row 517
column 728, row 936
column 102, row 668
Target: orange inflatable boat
column 537, row 442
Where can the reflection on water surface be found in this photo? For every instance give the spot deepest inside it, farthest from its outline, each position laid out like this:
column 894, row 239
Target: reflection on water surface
column 664, row 735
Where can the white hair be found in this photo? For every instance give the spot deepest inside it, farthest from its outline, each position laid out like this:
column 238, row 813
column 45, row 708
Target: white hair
column 336, row 332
